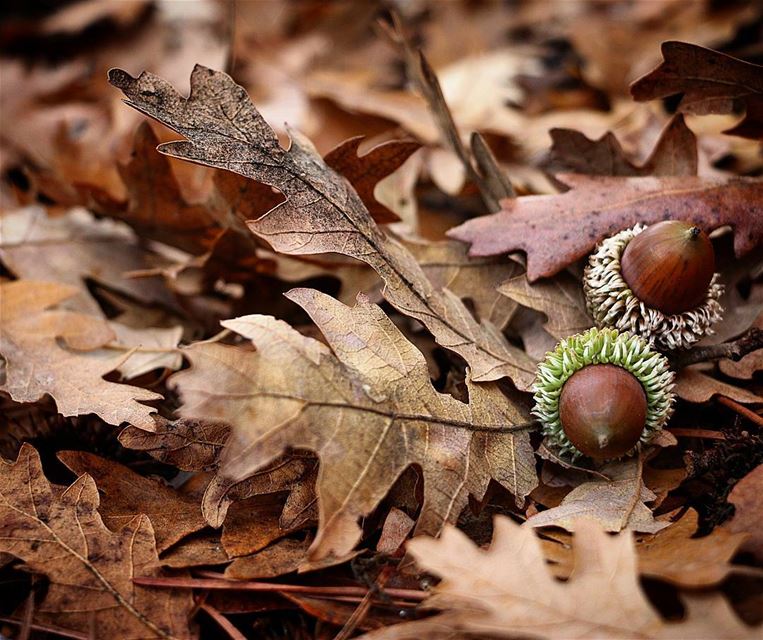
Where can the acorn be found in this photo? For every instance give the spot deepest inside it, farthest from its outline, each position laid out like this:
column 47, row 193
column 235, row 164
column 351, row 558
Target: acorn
column 602, row 394
column 658, row 282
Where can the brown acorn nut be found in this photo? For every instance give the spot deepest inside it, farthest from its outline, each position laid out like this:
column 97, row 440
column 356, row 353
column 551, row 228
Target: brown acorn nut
column 603, row 410
column 669, row 266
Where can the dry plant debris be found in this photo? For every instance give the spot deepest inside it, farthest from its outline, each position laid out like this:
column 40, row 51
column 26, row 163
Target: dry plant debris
column 275, row 379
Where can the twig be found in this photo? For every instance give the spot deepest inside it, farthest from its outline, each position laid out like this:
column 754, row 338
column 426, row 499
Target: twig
column 492, row 186
column 496, row 180
column 224, row 623
column 64, row 633
column 247, row 585
column 696, row 433
column 750, row 341
column 741, row 410
column 365, row 605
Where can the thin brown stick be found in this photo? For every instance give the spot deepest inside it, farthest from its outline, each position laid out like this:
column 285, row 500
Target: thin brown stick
column 64, row 633
column 741, row 410
column 750, row 341
column 225, row 624
column 420, row 72
column 365, row 605
column 696, row 433
column 246, row 585
column 496, row 180
column 26, row 627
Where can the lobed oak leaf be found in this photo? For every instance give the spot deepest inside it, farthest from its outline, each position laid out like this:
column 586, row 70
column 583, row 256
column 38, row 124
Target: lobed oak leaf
column 508, row 591
column 448, row 266
column 615, row 504
column 76, row 247
column 559, row 298
column 90, row 569
column 46, row 352
column 556, row 230
column 292, row 472
column 709, row 81
column 321, row 214
column 693, row 384
column 366, row 406
column 125, row 494
column 673, row 554
column 365, row 171
column 674, row 154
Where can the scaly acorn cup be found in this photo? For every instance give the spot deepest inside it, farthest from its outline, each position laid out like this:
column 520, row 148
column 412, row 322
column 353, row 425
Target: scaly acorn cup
column 602, row 394
column 657, row 282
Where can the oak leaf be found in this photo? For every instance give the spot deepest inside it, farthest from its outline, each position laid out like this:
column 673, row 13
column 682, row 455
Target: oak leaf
column 674, row 154
column 616, row 504
column 366, row 406
column 710, row 82
column 748, row 510
column 507, row 591
column 190, row 445
column 693, row 384
column 448, row 265
column 295, row 473
column 365, row 171
column 90, row 568
column 559, row 298
column 321, row 214
column 126, row 494
column 556, row 230
column 75, row 247
column 673, row 554
column 46, row 351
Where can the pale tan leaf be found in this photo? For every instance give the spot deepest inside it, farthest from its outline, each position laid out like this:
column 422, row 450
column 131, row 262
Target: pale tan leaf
column 75, row 247
column 148, row 349
column 448, row 265
column 367, row 407
column 616, row 504
column 559, row 298
column 45, row 352
column 508, row 591
column 694, row 385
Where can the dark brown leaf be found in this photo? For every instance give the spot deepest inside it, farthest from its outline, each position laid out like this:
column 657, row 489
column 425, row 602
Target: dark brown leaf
column 90, row 569
column 675, row 154
column 365, row 171
column 710, row 81
column 126, row 494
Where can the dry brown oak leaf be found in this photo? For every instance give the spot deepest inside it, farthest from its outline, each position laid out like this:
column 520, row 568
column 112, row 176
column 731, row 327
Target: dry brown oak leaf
column 556, row 230
column 710, row 81
column 46, row 352
column 615, row 504
column 126, row 494
column 365, row 171
column 322, row 212
column 366, row 406
column 508, row 591
column 90, row 568
column 674, row 154
column 559, row 298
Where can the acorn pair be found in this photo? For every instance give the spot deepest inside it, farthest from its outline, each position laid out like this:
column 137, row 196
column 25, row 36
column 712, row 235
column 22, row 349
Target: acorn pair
column 603, row 393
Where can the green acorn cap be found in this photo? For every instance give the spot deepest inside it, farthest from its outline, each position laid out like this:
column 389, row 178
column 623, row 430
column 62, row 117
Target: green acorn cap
column 588, row 350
